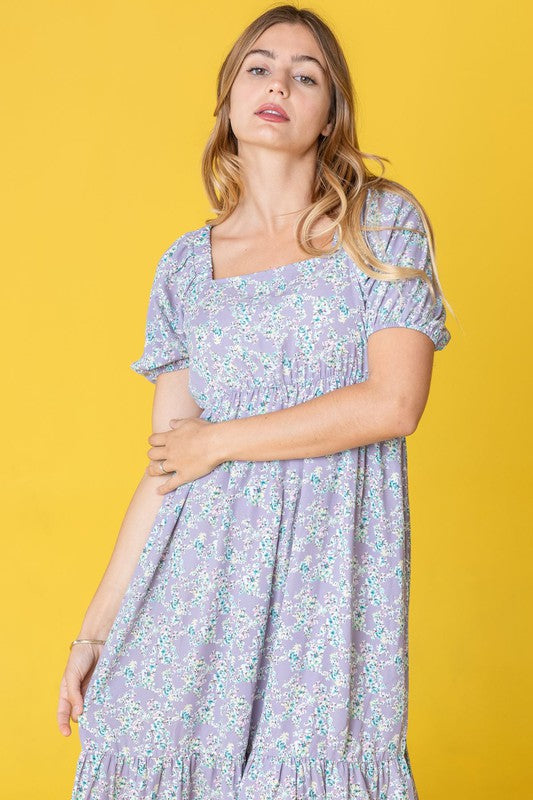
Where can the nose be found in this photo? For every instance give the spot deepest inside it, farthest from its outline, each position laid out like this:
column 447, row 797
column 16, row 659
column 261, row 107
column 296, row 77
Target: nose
column 277, row 85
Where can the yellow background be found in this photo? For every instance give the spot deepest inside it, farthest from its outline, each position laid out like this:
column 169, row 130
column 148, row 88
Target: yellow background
column 107, row 106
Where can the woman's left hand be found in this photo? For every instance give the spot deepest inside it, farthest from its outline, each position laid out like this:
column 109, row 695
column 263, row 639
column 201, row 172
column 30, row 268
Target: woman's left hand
column 185, row 450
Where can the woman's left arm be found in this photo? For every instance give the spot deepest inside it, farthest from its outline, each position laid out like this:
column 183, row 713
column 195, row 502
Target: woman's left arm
column 388, row 404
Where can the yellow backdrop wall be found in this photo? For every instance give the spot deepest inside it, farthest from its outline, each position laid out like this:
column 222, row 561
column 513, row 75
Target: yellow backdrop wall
column 107, row 106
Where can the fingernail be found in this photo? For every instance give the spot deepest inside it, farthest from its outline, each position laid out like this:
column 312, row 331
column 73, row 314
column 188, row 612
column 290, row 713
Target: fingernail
column 78, row 710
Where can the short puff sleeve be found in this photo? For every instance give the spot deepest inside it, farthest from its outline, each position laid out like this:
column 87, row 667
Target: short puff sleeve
column 403, row 303
column 165, row 346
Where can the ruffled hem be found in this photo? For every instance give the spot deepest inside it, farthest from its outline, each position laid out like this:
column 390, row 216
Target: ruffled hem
column 112, row 775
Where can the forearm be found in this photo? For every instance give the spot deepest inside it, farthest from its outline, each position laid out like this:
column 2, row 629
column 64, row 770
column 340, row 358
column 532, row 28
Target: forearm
column 131, row 539
column 351, row 416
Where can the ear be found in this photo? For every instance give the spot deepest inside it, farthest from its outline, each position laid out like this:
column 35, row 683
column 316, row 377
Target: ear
column 327, row 129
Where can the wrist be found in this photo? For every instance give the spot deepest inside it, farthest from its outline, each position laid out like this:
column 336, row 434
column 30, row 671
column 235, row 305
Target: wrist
column 94, row 628
column 93, row 633
column 87, row 642
column 219, row 444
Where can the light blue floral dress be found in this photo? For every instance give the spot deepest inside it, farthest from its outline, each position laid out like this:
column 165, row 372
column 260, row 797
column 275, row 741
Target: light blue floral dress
column 261, row 648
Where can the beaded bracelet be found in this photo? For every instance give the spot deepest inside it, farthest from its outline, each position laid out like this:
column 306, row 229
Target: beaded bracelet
column 90, row 641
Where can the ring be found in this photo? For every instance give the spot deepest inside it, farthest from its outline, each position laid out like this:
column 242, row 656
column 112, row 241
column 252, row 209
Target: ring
column 161, row 467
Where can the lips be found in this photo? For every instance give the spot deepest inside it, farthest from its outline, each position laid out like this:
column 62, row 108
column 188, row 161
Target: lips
column 279, row 113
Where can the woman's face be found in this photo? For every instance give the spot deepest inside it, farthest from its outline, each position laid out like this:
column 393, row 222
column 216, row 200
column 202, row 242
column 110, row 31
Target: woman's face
column 299, row 88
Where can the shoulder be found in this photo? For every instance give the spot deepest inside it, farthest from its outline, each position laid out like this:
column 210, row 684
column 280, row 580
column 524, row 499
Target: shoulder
column 401, row 237
column 387, row 207
column 177, row 261
column 177, row 252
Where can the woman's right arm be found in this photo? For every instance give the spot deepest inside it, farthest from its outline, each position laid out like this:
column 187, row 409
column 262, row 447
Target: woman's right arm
column 171, row 399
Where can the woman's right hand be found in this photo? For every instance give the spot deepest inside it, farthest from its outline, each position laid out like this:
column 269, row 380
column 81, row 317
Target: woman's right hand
column 80, row 667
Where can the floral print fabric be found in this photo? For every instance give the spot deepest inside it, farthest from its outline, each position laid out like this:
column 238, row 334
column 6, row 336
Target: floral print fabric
column 261, row 648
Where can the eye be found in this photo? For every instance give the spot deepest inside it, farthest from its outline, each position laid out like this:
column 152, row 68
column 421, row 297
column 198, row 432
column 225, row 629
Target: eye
column 308, row 81
column 308, row 78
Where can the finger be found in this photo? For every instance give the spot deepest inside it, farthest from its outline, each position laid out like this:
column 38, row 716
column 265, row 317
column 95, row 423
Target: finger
column 169, row 486
column 157, row 453
column 157, row 439
column 74, row 695
column 64, row 708
column 63, row 716
column 155, row 468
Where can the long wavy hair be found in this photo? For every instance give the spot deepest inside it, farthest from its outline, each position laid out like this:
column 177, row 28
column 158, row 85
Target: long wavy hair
column 341, row 179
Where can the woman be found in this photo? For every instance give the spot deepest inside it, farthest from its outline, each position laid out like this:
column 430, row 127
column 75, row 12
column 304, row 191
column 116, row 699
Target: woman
column 249, row 637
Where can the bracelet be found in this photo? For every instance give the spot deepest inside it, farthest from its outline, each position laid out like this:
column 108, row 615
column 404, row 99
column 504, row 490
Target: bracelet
column 90, row 641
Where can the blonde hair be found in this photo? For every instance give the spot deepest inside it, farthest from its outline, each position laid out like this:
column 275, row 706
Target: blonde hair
column 342, row 178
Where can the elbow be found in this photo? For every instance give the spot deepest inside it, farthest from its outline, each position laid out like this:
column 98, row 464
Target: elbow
column 410, row 427
column 399, row 411
column 405, row 419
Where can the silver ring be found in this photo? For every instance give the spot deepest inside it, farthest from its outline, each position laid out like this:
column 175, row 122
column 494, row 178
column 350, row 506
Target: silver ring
column 161, row 467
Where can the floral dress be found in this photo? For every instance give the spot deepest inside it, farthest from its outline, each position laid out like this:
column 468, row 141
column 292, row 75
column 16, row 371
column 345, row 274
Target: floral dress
column 261, row 649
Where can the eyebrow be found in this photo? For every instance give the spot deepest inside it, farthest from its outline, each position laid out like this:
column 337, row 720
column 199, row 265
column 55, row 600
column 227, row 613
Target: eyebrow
column 296, row 58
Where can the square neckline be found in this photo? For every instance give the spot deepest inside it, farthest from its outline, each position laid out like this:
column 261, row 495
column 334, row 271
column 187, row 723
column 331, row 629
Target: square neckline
column 258, row 273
